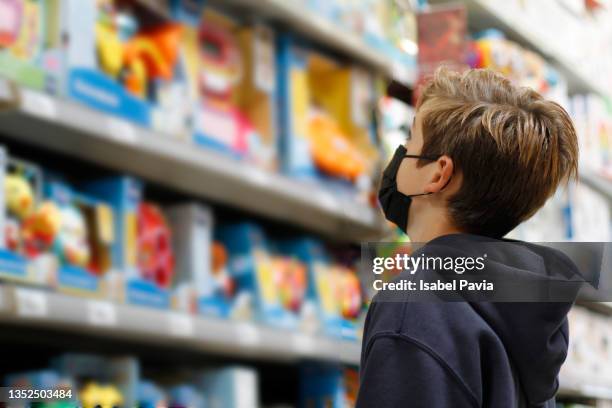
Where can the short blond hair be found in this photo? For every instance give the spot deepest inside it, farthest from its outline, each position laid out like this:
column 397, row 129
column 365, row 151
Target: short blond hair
column 512, row 146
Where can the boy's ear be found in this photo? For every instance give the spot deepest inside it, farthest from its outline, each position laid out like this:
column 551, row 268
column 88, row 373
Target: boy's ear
column 441, row 176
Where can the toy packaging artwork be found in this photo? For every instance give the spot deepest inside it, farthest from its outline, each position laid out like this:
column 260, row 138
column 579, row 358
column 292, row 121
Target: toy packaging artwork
column 327, row 385
column 230, row 72
column 142, row 250
column 82, row 239
column 30, row 43
column 100, row 381
column 229, row 387
column 202, row 265
column 325, row 107
column 122, row 63
column 335, row 287
column 278, row 283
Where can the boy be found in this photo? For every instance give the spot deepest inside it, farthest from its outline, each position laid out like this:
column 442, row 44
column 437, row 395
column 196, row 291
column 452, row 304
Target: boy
column 482, row 157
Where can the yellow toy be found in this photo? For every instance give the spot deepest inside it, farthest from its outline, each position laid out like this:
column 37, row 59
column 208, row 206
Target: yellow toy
column 19, row 195
column 94, row 395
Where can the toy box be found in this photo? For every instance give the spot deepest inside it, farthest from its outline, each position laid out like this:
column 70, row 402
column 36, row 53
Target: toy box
column 123, row 62
column 277, row 283
column 185, row 395
column 82, row 242
column 142, row 250
column 230, row 387
column 101, row 381
column 230, row 71
column 150, row 395
column 30, row 43
column 335, row 288
column 325, row 108
column 327, row 385
column 202, row 264
column 27, row 225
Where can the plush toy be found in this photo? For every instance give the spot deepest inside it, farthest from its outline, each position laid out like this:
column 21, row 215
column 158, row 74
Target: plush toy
column 155, row 255
column 331, row 149
column 19, row 195
column 135, row 57
column 71, row 241
column 224, row 284
column 40, row 229
column 94, row 395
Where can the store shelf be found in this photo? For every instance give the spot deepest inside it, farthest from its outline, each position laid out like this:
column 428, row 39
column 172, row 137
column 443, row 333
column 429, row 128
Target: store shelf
column 76, row 130
column 597, row 182
column 572, row 388
column 299, row 19
column 484, row 14
column 34, row 308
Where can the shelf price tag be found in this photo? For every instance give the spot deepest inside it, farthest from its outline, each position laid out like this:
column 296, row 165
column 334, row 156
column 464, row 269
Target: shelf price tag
column 101, row 313
column 40, row 104
column 303, row 343
column 31, row 303
column 181, row 325
column 248, row 334
column 121, row 131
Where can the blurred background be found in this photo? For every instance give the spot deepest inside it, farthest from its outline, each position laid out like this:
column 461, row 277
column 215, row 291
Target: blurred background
column 187, row 184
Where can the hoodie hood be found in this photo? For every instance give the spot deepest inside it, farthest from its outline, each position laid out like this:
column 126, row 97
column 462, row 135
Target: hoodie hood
column 535, row 334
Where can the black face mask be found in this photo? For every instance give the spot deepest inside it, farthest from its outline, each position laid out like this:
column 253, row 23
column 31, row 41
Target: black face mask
column 395, row 204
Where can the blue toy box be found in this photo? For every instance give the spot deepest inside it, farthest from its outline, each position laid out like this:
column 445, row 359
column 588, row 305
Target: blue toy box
column 327, row 134
column 124, row 194
column 263, row 275
column 123, row 64
column 326, row 286
column 86, row 226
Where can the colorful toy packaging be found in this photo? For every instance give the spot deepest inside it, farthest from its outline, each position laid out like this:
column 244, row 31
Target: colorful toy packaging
column 278, row 283
column 81, row 241
column 187, row 396
column 335, row 287
column 230, row 387
column 325, row 110
column 124, row 64
column 323, row 386
column 202, row 265
column 30, row 43
column 142, row 250
column 101, row 381
column 230, row 71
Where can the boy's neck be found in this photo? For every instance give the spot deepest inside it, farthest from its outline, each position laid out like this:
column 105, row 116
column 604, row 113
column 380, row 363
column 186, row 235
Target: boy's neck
column 426, row 232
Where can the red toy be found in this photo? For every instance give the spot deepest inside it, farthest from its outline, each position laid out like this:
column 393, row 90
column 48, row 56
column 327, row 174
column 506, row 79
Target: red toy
column 155, row 255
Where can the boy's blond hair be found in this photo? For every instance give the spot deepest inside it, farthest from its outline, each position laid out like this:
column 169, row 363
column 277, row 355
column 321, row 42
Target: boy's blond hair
column 511, row 145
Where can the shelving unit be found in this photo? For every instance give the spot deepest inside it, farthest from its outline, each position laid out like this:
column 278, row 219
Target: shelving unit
column 483, row 14
column 318, row 29
column 78, row 131
column 35, row 308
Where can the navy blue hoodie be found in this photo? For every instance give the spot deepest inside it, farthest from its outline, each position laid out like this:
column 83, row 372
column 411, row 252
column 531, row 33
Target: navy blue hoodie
column 459, row 354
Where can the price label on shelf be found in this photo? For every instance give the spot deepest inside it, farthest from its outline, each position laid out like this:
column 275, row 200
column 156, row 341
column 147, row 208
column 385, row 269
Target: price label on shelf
column 303, row 343
column 122, row 131
column 328, row 201
column 181, row 325
column 40, row 104
column 31, row 303
column 248, row 334
column 101, row 313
